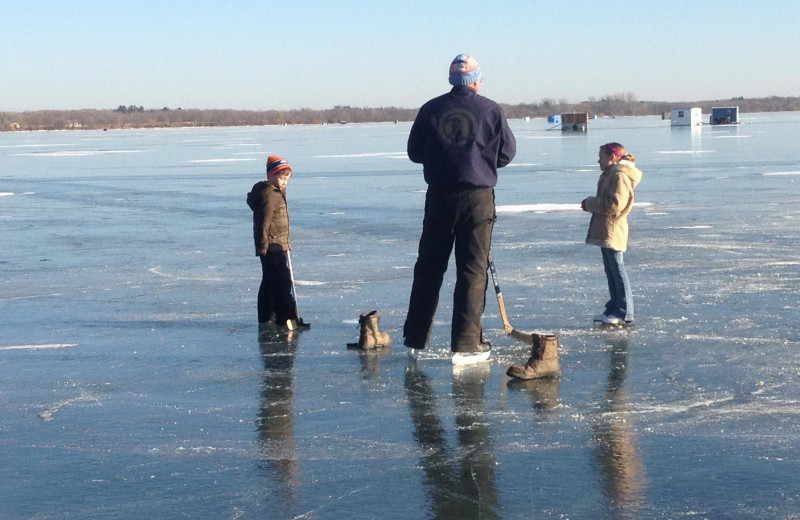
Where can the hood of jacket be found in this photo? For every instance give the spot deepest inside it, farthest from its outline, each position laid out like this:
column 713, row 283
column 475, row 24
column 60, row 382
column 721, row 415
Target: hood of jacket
column 629, row 170
column 255, row 199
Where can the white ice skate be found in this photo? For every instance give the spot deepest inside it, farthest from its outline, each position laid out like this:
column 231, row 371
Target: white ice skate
column 469, row 358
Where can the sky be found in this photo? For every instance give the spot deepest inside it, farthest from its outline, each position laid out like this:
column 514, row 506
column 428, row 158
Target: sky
column 294, row 54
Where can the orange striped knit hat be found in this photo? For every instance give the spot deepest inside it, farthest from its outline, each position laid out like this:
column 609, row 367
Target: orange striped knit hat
column 275, row 164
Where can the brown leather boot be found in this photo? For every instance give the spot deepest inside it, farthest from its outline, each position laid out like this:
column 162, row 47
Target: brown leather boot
column 543, row 361
column 370, row 336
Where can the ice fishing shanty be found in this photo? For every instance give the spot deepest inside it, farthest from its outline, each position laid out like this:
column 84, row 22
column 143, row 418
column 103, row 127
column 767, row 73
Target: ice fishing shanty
column 686, row 116
column 725, row 116
column 575, row 122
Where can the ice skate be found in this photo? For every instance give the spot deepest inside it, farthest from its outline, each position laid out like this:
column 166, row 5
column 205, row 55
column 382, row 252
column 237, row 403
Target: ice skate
column 619, row 325
column 604, row 321
column 481, row 353
column 297, row 324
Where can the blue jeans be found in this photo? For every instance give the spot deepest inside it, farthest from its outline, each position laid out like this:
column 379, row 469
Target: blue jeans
column 620, row 305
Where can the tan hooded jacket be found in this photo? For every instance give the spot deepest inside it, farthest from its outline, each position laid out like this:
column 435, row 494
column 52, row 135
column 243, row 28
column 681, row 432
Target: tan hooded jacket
column 610, row 207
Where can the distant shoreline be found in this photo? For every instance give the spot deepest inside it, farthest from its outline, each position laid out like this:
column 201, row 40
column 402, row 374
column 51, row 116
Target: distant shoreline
column 132, row 117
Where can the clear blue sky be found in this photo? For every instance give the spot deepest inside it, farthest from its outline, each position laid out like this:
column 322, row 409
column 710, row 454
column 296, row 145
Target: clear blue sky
column 258, row 55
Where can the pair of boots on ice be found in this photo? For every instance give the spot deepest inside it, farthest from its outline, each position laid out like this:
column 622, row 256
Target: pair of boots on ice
column 543, row 361
column 370, row 337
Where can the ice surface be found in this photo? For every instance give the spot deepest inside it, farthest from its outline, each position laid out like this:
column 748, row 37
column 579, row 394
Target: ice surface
column 135, row 383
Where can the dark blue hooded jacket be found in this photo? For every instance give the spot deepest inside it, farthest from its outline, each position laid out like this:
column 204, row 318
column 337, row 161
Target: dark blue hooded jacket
column 461, row 138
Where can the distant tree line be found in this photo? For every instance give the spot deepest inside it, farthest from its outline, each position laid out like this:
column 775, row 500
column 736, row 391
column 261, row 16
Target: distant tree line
column 132, row 116
column 628, row 105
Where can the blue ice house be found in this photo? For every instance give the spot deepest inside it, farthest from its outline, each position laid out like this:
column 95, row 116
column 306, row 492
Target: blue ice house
column 725, row 116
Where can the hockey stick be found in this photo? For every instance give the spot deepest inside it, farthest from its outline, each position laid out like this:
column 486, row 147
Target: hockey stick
column 510, row 330
column 291, row 277
column 506, row 324
column 299, row 322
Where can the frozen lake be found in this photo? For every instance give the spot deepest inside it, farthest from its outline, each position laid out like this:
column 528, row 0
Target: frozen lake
column 135, row 384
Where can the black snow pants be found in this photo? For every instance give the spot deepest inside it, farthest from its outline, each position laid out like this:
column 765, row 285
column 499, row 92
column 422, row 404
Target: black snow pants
column 276, row 299
column 462, row 216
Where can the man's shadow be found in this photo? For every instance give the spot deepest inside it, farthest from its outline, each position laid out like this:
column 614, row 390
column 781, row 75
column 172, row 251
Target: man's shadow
column 460, row 479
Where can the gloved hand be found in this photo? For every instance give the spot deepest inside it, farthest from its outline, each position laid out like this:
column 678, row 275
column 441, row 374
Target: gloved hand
column 583, row 204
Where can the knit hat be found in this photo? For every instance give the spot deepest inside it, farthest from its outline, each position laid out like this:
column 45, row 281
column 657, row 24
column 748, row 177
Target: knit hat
column 275, row 164
column 464, row 70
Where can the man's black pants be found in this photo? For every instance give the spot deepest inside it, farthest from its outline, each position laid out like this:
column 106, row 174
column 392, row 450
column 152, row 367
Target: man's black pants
column 462, row 216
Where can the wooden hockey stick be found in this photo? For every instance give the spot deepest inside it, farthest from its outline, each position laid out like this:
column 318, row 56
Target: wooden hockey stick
column 506, row 324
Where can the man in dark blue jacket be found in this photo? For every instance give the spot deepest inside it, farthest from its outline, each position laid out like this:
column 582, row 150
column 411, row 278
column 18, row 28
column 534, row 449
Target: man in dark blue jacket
column 461, row 138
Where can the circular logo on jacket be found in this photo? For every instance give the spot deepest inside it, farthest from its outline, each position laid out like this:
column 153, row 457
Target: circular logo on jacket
column 458, row 127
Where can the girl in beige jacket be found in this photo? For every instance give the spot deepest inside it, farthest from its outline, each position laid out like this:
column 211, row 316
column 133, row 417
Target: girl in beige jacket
column 608, row 227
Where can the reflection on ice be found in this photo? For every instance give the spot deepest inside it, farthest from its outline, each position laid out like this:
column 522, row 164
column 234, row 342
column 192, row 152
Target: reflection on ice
column 459, row 479
column 543, row 393
column 615, row 439
column 276, row 417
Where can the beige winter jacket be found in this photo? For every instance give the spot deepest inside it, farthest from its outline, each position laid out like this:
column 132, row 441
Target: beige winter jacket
column 610, row 207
